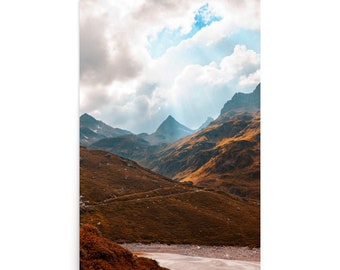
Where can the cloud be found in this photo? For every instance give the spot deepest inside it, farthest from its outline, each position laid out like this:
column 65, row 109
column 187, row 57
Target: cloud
column 251, row 79
column 93, row 99
column 241, row 62
column 199, row 91
column 121, row 82
column 103, row 60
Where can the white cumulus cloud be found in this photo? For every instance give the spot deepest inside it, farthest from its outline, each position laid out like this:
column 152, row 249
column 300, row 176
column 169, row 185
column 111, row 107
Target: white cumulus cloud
column 126, row 87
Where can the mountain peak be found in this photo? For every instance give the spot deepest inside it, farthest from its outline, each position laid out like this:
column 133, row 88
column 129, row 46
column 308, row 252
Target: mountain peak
column 169, row 130
column 170, row 124
column 170, row 118
column 87, row 119
column 86, row 115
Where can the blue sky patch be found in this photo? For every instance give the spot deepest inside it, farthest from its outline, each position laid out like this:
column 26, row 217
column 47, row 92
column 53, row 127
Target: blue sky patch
column 168, row 38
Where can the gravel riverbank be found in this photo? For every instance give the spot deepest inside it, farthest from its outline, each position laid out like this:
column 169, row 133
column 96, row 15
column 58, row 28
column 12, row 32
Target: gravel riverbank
column 220, row 252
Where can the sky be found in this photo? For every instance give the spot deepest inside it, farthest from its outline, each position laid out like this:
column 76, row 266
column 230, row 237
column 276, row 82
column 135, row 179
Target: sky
column 141, row 61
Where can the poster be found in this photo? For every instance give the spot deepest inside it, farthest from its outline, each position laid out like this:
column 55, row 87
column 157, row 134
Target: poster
column 170, row 131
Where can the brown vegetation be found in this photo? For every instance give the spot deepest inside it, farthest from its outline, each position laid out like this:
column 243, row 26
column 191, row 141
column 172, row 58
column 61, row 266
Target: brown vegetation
column 99, row 253
column 129, row 203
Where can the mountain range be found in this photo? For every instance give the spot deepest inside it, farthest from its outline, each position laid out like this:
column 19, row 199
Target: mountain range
column 93, row 130
column 195, row 187
column 224, row 155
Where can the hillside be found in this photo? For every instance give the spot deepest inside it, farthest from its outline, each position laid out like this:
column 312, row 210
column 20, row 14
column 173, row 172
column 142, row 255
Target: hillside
column 225, row 156
column 129, row 203
column 97, row 252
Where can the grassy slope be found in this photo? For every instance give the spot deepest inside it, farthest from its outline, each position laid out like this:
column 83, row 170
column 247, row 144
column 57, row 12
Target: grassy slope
column 132, row 204
column 236, row 167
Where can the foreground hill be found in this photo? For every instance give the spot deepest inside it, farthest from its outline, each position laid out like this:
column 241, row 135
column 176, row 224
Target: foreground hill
column 97, row 252
column 92, row 130
column 129, row 203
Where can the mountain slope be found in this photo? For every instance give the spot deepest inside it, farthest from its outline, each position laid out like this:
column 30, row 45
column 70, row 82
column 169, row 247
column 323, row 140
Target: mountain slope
column 133, row 204
column 236, row 165
column 225, row 155
column 92, row 130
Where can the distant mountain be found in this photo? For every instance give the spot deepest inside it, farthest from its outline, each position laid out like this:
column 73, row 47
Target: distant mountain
column 244, row 102
column 92, row 130
column 87, row 136
column 129, row 203
column 206, row 123
column 169, row 131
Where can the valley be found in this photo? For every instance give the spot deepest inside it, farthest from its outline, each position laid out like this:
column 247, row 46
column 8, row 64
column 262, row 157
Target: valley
column 187, row 198
column 224, row 154
column 129, row 203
